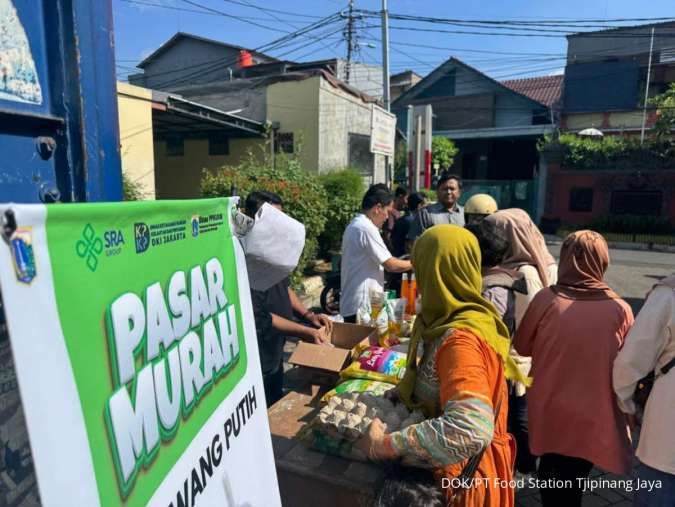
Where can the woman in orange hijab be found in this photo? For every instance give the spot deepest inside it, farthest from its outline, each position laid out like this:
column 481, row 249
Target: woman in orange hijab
column 573, row 331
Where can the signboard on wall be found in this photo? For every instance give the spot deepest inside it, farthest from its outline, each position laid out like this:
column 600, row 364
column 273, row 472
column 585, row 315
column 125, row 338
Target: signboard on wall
column 383, row 132
column 136, row 354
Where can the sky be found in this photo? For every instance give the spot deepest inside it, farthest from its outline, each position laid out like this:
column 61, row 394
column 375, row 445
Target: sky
column 141, row 26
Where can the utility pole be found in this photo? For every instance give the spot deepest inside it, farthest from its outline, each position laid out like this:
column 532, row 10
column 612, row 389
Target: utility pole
column 385, row 55
column 389, row 177
column 649, row 72
column 350, row 40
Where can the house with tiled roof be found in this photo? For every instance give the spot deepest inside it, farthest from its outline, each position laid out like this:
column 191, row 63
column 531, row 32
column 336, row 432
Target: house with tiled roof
column 546, row 90
column 495, row 125
column 608, row 75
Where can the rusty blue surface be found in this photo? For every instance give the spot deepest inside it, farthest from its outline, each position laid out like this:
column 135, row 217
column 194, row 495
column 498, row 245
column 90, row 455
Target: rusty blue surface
column 59, row 132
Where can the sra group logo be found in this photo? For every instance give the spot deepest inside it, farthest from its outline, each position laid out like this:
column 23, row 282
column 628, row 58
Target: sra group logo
column 141, row 236
column 114, row 240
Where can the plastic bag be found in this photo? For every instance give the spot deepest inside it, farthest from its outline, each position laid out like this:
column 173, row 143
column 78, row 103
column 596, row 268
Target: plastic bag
column 363, row 317
column 377, row 363
column 272, row 247
column 360, row 386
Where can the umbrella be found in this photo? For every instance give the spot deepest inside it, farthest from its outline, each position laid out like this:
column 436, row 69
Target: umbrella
column 591, row 132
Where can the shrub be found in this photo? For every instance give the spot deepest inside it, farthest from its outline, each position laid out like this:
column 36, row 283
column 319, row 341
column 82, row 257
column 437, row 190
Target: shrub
column 631, row 224
column 131, row 190
column 344, row 190
column 303, row 195
column 623, row 225
column 613, row 152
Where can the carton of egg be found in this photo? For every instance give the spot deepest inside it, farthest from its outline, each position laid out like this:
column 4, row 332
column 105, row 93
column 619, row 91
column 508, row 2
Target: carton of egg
column 349, row 415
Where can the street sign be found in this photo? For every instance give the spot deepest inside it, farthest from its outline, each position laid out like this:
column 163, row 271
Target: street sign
column 383, row 132
column 136, row 354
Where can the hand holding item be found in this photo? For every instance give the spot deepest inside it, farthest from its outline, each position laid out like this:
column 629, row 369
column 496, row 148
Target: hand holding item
column 375, row 444
column 321, row 336
column 320, row 320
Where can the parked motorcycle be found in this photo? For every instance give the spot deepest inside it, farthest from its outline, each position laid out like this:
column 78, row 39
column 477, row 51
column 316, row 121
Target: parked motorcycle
column 330, row 295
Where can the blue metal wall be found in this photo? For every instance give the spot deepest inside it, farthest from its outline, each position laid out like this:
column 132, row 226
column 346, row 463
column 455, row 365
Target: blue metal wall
column 59, row 135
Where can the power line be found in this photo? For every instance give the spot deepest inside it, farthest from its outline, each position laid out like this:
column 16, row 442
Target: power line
column 184, row 9
column 268, row 10
column 517, row 22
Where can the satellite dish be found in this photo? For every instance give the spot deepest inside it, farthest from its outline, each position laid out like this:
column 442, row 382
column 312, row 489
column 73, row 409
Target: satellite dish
column 591, row 132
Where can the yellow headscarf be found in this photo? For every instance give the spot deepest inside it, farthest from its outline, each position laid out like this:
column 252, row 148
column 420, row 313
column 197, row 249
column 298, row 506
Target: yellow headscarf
column 447, row 264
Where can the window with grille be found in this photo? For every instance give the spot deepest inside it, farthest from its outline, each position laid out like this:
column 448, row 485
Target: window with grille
column 636, row 202
column 360, row 156
column 581, row 199
column 283, row 142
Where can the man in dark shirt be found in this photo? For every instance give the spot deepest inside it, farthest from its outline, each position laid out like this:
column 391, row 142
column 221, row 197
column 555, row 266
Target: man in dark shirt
column 273, row 310
column 416, row 201
column 400, row 203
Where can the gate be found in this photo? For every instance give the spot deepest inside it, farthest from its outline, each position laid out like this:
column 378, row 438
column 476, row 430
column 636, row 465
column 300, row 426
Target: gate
column 508, row 193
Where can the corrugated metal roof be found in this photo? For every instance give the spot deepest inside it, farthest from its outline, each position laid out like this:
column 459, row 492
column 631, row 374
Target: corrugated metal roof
column 546, row 90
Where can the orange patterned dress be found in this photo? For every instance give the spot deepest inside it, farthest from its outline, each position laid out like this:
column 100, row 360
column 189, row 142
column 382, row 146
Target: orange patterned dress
column 472, row 386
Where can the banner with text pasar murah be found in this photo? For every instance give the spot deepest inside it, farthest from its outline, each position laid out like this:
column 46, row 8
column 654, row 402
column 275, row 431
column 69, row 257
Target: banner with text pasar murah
column 136, row 354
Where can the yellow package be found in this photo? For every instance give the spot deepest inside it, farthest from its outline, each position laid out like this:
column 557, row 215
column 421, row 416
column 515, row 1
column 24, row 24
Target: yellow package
column 360, row 386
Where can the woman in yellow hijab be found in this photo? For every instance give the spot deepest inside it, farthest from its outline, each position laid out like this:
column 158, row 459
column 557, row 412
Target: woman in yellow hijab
column 459, row 381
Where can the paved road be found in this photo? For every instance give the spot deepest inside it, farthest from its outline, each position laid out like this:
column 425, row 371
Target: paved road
column 632, row 273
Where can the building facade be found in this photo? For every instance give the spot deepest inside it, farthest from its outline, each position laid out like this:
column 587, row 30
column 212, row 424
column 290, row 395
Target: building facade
column 495, row 127
column 134, row 105
column 606, row 77
column 326, row 123
column 189, row 59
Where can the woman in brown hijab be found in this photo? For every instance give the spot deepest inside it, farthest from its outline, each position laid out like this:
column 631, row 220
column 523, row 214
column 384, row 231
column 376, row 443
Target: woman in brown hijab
column 573, row 331
column 528, row 255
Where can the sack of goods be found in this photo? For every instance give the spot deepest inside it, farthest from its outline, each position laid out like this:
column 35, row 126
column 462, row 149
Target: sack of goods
column 347, row 417
column 377, row 363
column 273, row 247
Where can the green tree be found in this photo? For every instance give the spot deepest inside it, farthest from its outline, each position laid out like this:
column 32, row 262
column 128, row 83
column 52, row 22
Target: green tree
column 443, row 152
column 665, row 112
column 344, row 190
column 301, row 190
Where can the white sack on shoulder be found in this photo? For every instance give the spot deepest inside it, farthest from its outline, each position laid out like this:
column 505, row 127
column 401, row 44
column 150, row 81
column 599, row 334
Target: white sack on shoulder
column 273, row 247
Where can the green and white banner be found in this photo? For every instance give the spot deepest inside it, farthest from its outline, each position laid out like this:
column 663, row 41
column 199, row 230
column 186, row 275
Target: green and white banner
column 136, row 354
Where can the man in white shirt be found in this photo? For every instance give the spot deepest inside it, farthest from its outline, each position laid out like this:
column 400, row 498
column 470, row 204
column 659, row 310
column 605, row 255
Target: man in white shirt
column 364, row 254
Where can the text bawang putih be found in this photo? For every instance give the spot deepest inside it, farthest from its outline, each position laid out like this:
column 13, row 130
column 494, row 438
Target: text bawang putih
column 187, row 336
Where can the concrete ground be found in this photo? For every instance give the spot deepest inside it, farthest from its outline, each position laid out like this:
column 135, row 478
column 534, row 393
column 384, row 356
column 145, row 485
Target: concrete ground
column 631, row 274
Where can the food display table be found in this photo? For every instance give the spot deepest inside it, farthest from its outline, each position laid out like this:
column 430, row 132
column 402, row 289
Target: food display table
column 310, row 478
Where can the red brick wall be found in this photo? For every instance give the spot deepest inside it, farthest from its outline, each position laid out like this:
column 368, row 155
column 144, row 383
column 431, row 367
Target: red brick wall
column 560, row 182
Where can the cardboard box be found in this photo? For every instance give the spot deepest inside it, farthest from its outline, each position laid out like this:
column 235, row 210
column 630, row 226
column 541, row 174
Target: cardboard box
column 331, row 360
